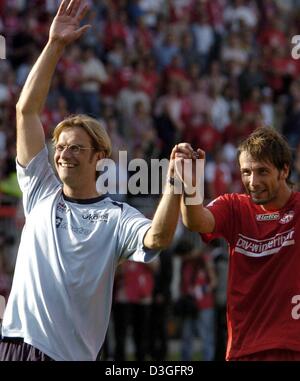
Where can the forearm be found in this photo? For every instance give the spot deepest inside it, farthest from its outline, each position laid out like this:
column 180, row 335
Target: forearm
column 164, row 223
column 197, row 218
column 36, row 88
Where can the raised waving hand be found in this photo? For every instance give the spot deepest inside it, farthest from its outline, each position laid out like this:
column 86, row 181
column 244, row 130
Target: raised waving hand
column 66, row 27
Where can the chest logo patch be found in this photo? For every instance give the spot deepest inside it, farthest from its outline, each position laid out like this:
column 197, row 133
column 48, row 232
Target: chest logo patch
column 287, row 217
column 268, row 217
column 95, row 217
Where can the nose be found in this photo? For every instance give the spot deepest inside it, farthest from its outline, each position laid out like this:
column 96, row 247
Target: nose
column 65, row 152
column 253, row 180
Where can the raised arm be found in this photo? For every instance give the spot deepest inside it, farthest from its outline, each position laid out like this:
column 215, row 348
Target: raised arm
column 195, row 216
column 65, row 29
column 165, row 219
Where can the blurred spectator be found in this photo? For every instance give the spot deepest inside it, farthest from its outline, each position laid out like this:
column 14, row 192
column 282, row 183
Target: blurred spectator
column 220, row 257
column 290, row 125
column 26, row 65
column 218, row 176
column 116, row 55
column 203, row 134
column 200, row 98
column 70, row 68
column 143, row 132
column 93, row 74
column 134, row 284
column 282, row 68
column 165, row 127
column 150, row 78
column 126, row 101
column 134, row 11
column 219, row 110
column 158, row 336
column 152, row 9
column 23, row 38
column 115, row 28
column 92, row 38
column 215, row 77
column 204, row 36
column 198, row 281
column 142, row 35
column 174, row 71
column 5, row 278
column 267, row 106
column 241, row 11
column 172, row 102
column 251, row 77
column 165, row 49
column 187, row 53
column 272, row 32
column 234, row 53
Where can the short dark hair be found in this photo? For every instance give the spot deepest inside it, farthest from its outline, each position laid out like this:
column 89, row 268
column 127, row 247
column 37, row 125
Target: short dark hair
column 267, row 145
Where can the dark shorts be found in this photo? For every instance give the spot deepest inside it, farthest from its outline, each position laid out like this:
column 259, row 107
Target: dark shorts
column 14, row 349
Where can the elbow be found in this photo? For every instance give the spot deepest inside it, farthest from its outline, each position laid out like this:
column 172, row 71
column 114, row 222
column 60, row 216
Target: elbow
column 163, row 245
column 24, row 108
column 158, row 243
column 190, row 225
column 21, row 109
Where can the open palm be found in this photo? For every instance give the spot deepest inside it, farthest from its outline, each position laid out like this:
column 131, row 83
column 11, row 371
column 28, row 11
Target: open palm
column 65, row 27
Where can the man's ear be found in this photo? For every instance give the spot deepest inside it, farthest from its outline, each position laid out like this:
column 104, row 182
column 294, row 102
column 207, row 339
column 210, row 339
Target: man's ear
column 101, row 155
column 285, row 171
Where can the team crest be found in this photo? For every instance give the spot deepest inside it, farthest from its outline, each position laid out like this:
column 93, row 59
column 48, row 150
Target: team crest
column 287, row 217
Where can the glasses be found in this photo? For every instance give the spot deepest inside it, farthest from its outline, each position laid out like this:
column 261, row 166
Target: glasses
column 73, row 148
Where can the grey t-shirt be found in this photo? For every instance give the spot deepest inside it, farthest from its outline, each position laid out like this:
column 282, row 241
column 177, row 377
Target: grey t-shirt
column 62, row 289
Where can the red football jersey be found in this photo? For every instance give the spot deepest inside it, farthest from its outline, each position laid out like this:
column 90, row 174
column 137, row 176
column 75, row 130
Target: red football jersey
column 263, row 292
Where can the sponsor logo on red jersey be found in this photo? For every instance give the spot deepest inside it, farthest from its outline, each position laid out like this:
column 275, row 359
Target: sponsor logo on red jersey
column 268, row 217
column 260, row 248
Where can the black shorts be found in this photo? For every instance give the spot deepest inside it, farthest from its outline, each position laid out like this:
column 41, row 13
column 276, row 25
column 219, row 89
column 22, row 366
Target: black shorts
column 14, row 349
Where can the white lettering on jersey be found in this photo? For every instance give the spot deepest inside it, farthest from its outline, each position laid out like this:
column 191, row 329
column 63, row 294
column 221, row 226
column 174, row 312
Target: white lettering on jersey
column 260, row 248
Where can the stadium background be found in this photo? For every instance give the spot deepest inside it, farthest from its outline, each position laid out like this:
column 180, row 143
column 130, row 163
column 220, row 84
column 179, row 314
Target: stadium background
column 157, row 72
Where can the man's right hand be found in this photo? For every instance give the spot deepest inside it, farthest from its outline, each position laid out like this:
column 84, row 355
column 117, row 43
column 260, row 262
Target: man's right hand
column 186, row 167
column 65, row 27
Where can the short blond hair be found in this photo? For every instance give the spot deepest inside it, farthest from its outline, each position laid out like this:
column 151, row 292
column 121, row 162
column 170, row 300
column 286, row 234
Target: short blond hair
column 95, row 129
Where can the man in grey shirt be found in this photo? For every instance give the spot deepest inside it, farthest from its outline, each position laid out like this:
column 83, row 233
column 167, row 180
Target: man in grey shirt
column 73, row 238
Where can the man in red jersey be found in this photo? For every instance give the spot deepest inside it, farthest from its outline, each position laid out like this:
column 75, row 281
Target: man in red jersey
column 261, row 227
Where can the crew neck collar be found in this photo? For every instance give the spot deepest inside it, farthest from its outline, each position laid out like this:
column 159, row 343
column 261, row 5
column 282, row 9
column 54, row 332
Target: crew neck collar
column 84, row 200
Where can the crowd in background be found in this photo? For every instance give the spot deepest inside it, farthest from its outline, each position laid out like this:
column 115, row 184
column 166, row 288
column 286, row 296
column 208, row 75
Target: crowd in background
column 158, row 72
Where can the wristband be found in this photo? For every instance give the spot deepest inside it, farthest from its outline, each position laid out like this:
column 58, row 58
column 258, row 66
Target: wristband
column 171, row 180
column 175, row 184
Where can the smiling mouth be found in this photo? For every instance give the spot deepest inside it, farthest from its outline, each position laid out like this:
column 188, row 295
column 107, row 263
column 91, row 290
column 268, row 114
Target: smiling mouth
column 66, row 165
column 256, row 193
